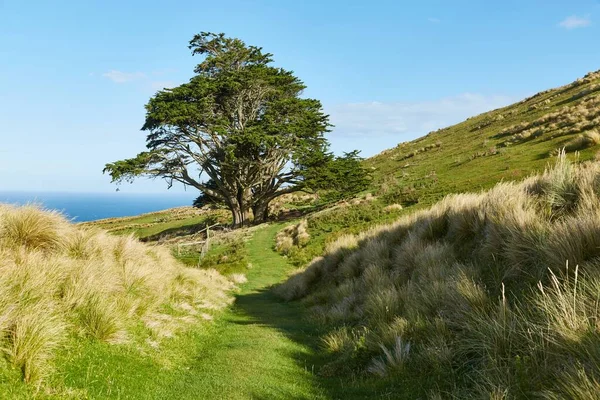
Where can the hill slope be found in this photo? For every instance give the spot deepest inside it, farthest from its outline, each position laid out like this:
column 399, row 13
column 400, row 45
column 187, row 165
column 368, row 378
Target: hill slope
column 503, row 144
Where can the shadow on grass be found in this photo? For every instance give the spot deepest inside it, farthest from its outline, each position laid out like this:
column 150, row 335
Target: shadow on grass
column 263, row 307
column 293, row 214
column 183, row 230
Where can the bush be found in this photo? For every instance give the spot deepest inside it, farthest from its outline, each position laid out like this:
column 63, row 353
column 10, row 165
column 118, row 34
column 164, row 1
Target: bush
column 404, row 196
column 338, row 178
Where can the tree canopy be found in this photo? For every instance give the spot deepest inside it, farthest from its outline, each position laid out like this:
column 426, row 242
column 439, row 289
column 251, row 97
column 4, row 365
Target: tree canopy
column 337, row 177
column 238, row 131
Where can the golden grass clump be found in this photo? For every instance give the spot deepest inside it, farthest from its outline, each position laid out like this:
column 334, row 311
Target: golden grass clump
column 59, row 280
column 583, row 141
column 490, row 295
column 291, row 237
column 393, row 208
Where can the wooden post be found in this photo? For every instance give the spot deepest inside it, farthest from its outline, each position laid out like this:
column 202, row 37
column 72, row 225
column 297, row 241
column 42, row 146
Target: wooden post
column 206, row 245
column 207, row 238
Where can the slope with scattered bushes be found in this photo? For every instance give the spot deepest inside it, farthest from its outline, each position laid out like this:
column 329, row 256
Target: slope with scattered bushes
column 491, row 295
column 62, row 284
column 506, row 144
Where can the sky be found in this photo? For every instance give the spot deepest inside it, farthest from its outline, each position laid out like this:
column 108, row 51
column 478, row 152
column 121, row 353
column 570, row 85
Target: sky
column 75, row 75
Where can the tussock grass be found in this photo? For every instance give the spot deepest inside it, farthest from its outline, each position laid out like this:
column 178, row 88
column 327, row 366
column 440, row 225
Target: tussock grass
column 58, row 280
column 490, row 295
column 291, row 237
column 392, row 208
column 567, row 120
column 583, row 141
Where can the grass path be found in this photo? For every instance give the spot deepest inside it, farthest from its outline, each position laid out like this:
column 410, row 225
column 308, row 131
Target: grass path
column 255, row 349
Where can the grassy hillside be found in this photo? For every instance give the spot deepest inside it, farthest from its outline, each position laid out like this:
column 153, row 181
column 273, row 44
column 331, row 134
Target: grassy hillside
column 504, row 144
column 507, row 144
column 162, row 225
column 74, row 300
column 491, row 295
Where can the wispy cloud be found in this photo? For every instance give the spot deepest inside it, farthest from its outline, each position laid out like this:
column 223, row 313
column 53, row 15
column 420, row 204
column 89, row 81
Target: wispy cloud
column 411, row 118
column 123, row 77
column 375, row 126
column 574, row 22
column 434, row 20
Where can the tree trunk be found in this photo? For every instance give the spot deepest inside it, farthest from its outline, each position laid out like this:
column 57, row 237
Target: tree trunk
column 236, row 215
column 261, row 211
column 240, row 212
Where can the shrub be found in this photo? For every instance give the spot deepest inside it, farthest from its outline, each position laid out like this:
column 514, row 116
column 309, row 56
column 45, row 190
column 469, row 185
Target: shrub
column 405, row 196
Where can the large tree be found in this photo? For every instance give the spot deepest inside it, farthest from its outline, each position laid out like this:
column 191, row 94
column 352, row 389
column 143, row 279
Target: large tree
column 238, row 131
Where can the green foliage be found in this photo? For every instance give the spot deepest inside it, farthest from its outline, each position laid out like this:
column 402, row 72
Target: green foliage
column 206, row 199
column 131, row 168
column 337, row 178
column 328, row 225
column 228, row 257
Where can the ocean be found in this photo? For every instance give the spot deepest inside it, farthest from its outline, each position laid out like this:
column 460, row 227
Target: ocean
column 80, row 207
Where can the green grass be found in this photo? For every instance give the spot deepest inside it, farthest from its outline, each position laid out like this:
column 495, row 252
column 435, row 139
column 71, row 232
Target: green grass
column 228, row 255
column 464, row 160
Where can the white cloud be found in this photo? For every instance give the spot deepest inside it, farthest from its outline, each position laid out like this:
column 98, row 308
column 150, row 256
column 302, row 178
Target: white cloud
column 434, row 20
column 377, row 125
column 574, row 22
column 123, row 77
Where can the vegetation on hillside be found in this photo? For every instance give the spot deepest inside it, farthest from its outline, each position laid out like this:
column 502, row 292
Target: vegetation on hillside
column 504, row 144
column 444, row 302
column 63, row 285
column 491, row 295
column 162, row 225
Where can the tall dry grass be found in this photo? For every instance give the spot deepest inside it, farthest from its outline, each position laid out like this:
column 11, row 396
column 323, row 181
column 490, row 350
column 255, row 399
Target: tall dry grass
column 491, row 295
column 293, row 236
column 59, row 280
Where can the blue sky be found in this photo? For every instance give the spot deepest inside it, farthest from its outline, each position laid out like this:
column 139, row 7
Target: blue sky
column 75, row 75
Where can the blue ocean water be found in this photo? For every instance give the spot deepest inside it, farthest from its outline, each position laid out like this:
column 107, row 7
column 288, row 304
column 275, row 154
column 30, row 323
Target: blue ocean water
column 82, row 207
